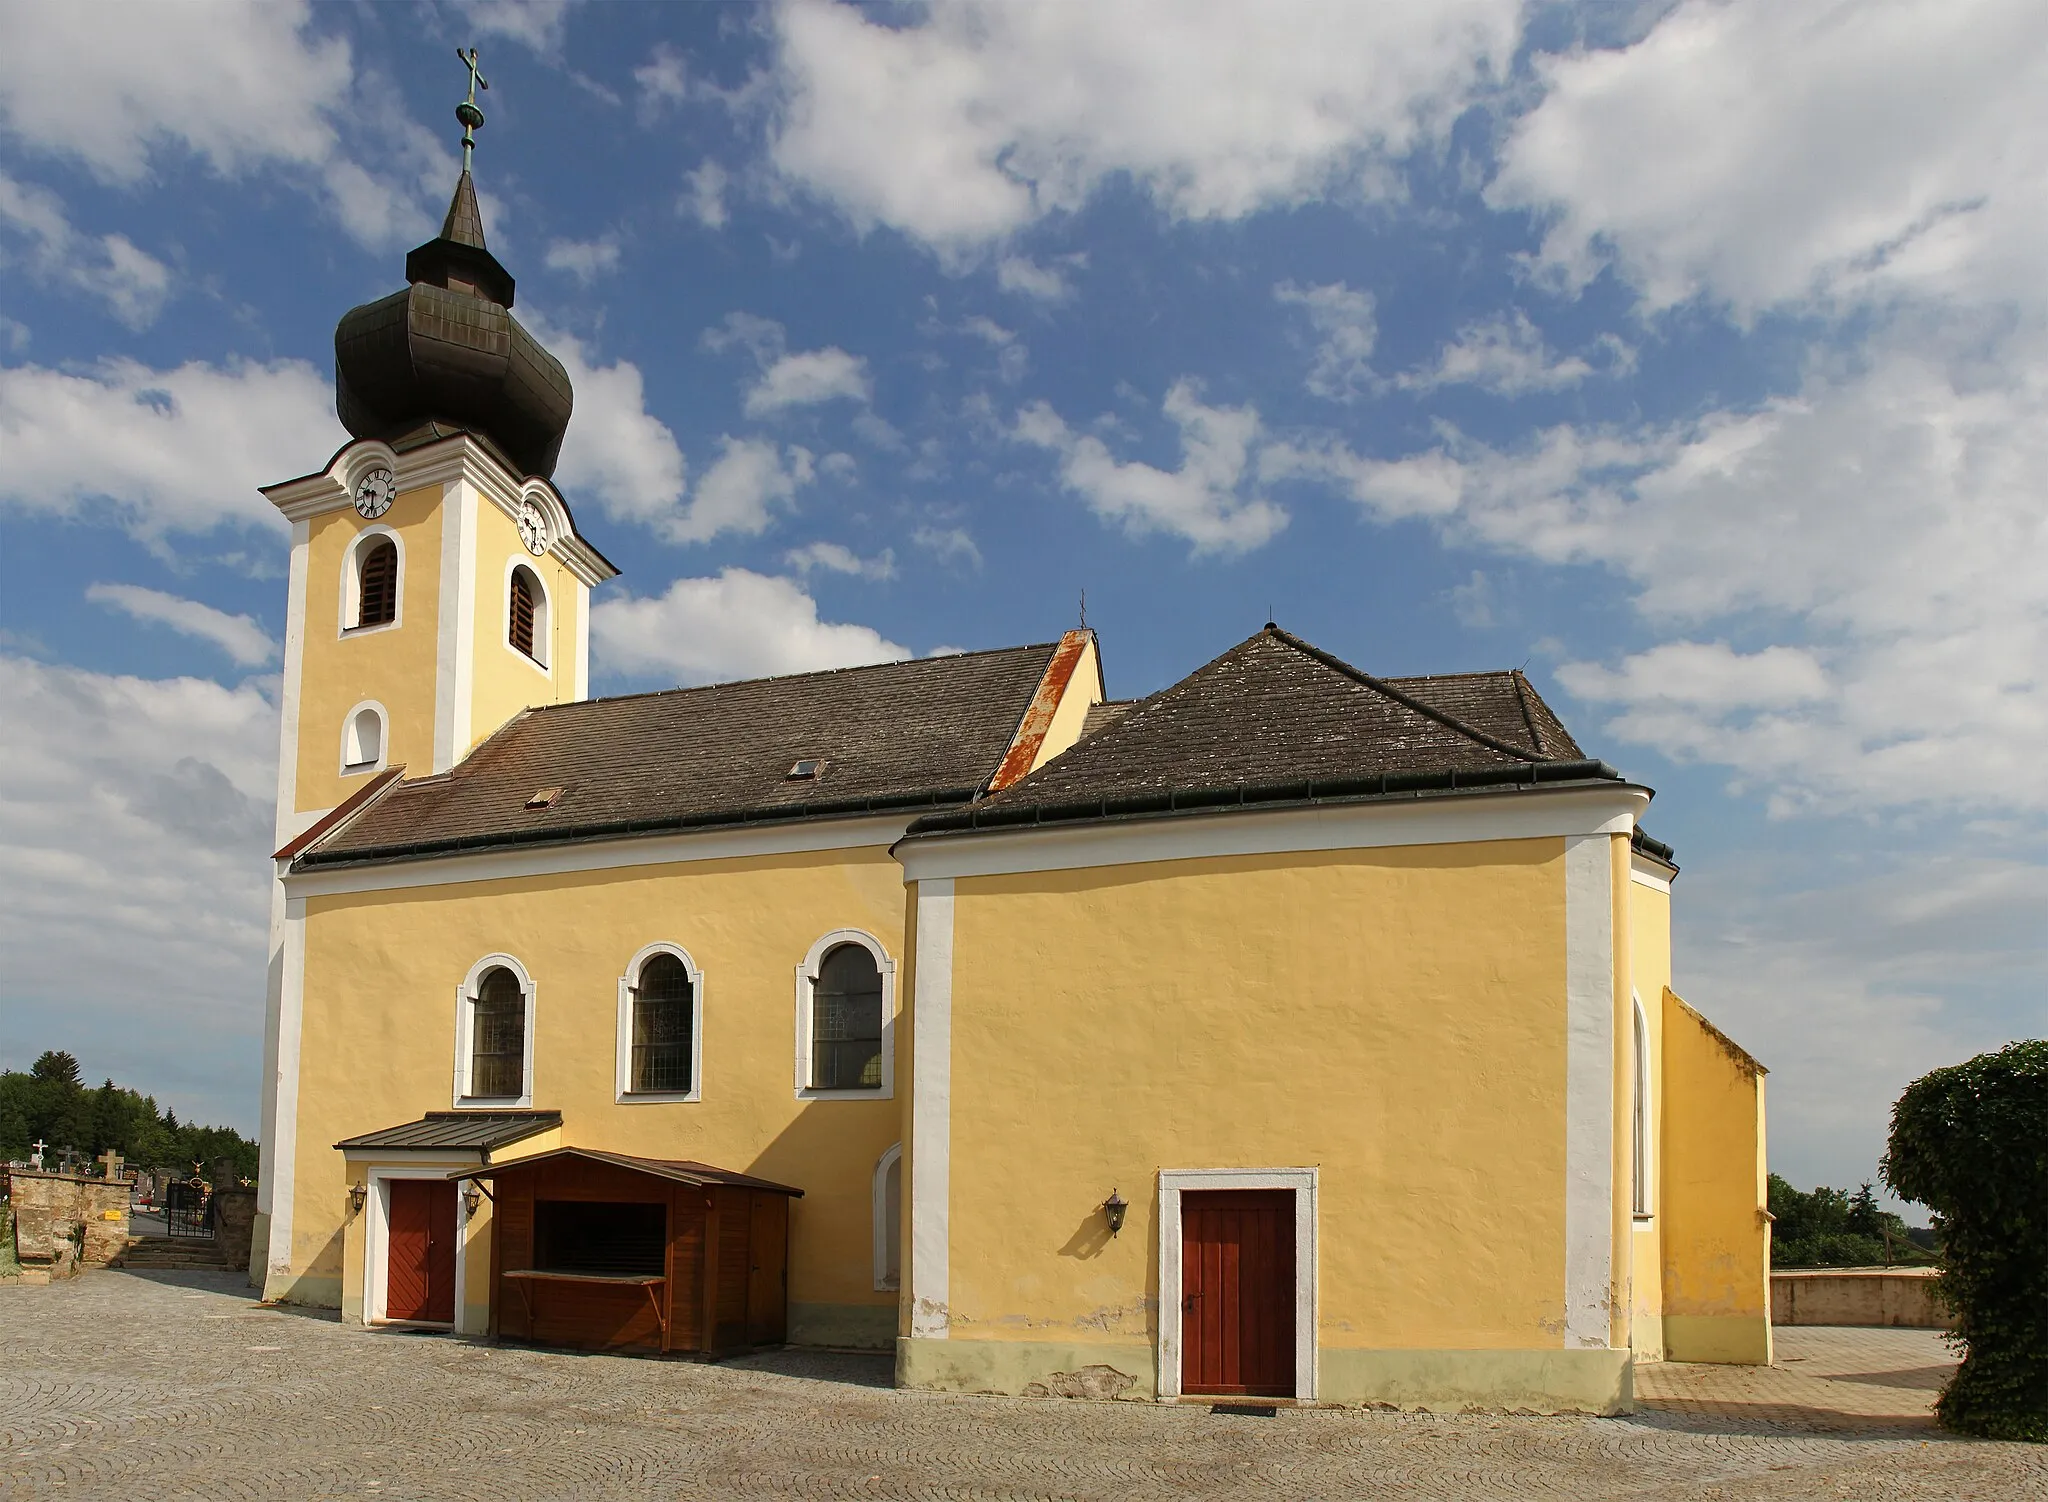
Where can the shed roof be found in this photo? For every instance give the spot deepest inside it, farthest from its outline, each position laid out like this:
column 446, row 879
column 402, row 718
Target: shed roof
column 480, row 1131
column 897, row 736
column 682, row 1170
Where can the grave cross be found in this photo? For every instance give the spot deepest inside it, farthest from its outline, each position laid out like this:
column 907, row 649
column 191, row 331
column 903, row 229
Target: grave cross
column 112, row 1160
column 36, row 1157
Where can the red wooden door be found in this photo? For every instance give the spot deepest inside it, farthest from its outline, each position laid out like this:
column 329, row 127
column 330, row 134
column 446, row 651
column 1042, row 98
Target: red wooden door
column 1237, row 1292
column 419, row 1280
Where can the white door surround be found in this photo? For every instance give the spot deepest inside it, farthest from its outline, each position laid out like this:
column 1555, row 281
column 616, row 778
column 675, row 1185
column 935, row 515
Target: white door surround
column 377, row 1235
column 1302, row 1181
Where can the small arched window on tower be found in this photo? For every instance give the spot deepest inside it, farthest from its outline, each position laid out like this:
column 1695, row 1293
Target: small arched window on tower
column 377, row 583
column 1640, row 1116
column 362, row 739
column 527, row 615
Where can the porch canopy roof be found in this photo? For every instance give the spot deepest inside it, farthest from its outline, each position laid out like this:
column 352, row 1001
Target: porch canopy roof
column 456, row 1131
column 681, row 1170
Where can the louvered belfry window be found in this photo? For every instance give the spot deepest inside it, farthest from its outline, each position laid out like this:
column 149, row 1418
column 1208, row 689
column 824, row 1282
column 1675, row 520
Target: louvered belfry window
column 522, row 611
column 846, row 1022
column 497, row 1037
column 379, row 584
column 661, row 1026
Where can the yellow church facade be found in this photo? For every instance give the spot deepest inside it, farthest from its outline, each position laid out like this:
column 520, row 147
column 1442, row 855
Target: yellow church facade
column 1291, row 1032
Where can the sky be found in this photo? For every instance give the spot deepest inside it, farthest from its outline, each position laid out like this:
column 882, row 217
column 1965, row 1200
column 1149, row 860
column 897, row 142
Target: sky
column 1693, row 357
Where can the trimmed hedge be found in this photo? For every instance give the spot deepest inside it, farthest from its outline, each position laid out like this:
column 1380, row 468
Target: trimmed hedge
column 1971, row 1143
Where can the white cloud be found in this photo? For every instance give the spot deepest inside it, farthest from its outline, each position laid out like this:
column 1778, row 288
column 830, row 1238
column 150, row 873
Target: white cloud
column 741, row 490
column 1866, row 533
column 535, row 24
column 1012, row 356
column 1758, row 153
column 808, row 378
column 967, row 123
column 704, row 200
column 245, row 642
column 1210, row 499
column 1343, row 317
column 949, row 545
column 584, row 259
column 136, row 815
column 240, row 86
column 1507, row 356
column 836, row 558
column 131, row 282
column 1022, row 275
column 161, row 451
column 738, row 624
column 616, row 451
column 664, row 79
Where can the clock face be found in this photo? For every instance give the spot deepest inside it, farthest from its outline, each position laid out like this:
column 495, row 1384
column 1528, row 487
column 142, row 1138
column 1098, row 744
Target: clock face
column 533, row 529
column 373, row 495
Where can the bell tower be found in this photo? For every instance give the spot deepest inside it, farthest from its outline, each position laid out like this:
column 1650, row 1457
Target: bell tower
column 438, row 584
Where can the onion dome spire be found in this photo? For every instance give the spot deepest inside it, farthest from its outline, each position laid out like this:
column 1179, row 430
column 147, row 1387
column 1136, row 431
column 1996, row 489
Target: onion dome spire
column 446, row 355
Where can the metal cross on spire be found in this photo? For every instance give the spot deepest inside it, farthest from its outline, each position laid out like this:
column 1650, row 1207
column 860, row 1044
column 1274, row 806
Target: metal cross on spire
column 472, row 118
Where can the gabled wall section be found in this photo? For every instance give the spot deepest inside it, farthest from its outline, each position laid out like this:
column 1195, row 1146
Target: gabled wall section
column 1716, row 1228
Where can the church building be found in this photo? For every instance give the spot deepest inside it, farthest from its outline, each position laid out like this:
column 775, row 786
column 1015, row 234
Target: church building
column 1292, row 1032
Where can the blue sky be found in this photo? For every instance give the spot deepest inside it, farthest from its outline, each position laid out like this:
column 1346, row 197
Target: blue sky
column 1691, row 355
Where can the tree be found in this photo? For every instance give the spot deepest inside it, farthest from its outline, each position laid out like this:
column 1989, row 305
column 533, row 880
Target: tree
column 1971, row 1143
column 55, row 1067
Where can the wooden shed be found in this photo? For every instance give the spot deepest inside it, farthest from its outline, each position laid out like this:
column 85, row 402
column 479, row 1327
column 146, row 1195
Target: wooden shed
column 600, row 1251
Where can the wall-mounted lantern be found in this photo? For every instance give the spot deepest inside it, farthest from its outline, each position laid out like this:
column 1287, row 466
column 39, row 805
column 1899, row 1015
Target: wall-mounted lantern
column 1113, row 1210
column 472, row 1199
column 357, row 1193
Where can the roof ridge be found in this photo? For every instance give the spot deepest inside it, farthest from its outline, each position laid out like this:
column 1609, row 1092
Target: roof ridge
column 858, row 667
column 1522, row 692
column 1381, row 686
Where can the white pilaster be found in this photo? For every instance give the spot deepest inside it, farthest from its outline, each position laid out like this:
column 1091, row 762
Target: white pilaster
column 1589, row 1088
column 931, row 1124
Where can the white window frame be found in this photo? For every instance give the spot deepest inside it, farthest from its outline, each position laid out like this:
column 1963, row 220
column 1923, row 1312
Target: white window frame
column 465, row 995
column 1302, row 1181
column 885, row 1224
column 377, row 1239
column 1642, row 1117
column 348, row 721
column 806, row 987
column 625, row 1094
column 352, row 583
column 543, row 615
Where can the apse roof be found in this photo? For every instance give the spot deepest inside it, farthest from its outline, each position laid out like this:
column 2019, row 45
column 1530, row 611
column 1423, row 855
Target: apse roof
column 1276, row 720
column 898, row 736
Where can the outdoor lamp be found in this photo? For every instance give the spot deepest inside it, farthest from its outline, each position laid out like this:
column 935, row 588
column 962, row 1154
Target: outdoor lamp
column 356, row 1195
column 472, row 1197
column 1113, row 1211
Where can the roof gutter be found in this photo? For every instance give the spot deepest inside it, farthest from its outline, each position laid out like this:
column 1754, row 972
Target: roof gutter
column 1248, row 795
column 784, row 813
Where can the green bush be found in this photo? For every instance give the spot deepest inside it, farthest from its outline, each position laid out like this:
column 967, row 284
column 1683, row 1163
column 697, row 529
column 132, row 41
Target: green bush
column 1971, row 1143
column 1833, row 1228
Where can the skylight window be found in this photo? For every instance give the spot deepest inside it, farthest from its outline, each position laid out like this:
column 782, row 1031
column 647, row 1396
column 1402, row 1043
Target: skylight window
column 544, row 798
column 805, row 771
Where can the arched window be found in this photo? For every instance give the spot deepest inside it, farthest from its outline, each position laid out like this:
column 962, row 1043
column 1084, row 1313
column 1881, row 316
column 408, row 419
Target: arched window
column 497, row 1037
column 370, row 584
column 1640, row 1115
column 846, row 1021
column 888, row 1218
column 663, row 1004
column 526, row 615
column 378, row 591
column 362, row 739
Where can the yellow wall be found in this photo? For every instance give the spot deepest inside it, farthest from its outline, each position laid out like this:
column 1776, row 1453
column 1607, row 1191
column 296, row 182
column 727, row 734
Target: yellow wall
column 1650, row 975
column 377, row 1049
column 1716, row 1231
column 506, row 679
column 393, row 665
column 1395, row 1017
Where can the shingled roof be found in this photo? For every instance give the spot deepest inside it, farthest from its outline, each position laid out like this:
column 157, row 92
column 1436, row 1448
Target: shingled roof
column 1276, row 720
column 905, row 735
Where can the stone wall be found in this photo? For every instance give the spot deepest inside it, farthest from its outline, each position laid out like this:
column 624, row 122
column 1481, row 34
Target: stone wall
column 61, row 1218
column 1902, row 1296
column 234, row 1221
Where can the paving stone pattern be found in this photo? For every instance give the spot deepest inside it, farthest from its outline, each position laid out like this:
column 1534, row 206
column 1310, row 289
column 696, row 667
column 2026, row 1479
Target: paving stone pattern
column 176, row 1385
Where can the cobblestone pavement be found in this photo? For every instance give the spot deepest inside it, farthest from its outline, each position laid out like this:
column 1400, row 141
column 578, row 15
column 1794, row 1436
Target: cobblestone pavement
column 176, row 1385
